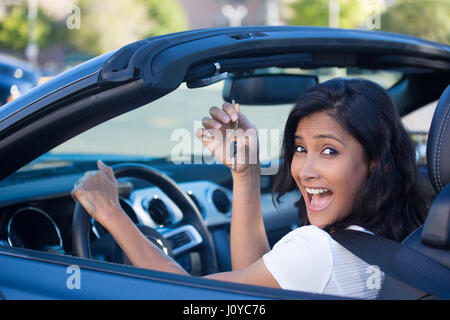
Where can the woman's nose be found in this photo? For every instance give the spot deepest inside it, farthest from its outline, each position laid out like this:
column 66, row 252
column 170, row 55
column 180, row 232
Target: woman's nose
column 308, row 170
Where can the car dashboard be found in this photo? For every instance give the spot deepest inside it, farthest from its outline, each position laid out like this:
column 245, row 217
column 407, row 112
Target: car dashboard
column 37, row 214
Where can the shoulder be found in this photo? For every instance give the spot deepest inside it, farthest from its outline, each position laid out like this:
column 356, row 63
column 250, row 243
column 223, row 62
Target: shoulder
column 352, row 275
column 307, row 234
column 301, row 260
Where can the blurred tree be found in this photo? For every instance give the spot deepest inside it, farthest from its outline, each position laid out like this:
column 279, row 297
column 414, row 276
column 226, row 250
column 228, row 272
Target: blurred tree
column 14, row 31
column 316, row 13
column 166, row 16
column 426, row 19
column 109, row 24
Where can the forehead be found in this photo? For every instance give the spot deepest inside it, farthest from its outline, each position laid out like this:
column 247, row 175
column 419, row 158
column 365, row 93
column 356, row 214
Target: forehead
column 319, row 123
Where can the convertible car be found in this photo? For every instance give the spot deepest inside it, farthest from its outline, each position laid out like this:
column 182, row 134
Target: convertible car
column 137, row 109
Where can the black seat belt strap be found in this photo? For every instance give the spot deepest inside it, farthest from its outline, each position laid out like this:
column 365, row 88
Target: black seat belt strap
column 398, row 261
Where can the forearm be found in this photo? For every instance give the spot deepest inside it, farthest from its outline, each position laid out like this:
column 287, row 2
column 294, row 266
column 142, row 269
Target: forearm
column 248, row 237
column 141, row 251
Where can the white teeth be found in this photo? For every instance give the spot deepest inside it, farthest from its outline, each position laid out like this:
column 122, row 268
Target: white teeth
column 316, row 191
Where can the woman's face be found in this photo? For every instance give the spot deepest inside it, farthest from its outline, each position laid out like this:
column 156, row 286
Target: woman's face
column 328, row 166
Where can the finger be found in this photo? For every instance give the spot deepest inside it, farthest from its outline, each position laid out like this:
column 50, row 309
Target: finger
column 237, row 108
column 80, row 182
column 231, row 112
column 219, row 115
column 209, row 123
column 74, row 193
column 208, row 141
column 107, row 170
column 86, row 179
column 203, row 136
column 88, row 175
column 241, row 117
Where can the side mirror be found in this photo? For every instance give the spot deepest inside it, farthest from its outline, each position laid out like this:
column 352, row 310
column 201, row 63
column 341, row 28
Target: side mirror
column 266, row 89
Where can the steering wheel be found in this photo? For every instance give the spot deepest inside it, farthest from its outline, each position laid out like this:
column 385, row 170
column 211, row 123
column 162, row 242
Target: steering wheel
column 81, row 225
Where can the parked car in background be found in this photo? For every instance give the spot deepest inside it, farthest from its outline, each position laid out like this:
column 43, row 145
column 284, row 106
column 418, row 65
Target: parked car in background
column 16, row 78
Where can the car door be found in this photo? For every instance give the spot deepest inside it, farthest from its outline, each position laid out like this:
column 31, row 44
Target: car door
column 27, row 274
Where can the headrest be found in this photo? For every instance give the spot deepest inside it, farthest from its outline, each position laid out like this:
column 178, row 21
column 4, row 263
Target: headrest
column 438, row 146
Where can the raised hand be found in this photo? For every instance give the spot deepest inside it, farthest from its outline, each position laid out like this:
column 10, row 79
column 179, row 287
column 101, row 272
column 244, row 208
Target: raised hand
column 218, row 136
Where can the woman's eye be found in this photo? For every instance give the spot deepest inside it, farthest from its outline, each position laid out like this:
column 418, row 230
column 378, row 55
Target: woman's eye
column 329, row 151
column 299, row 149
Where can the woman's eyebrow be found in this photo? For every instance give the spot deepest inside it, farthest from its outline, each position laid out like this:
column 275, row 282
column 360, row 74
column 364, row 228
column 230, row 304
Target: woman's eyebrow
column 323, row 136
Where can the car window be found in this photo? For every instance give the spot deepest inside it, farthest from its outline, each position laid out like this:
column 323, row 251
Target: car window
column 155, row 129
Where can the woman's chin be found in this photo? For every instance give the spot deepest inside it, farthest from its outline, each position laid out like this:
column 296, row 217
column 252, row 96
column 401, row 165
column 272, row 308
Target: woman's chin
column 320, row 222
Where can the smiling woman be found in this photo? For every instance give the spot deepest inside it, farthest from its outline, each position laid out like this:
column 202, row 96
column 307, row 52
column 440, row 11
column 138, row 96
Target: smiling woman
column 328, row 166
column 346, row 150
column 346, row 136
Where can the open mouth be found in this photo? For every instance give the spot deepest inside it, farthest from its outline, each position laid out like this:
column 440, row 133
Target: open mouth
column 318, row 198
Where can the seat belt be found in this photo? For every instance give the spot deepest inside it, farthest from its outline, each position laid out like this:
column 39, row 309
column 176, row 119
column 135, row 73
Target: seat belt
column 398, row 261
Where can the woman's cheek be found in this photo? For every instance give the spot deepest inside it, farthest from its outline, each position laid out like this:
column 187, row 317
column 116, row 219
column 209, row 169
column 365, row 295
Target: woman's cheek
column 351, row 178
column 295, row 168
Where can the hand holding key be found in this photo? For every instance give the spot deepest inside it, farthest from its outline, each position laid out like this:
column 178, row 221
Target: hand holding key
column 223, row 139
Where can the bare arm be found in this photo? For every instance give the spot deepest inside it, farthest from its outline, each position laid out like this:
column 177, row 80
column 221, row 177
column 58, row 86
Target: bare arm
column 141, row 251
column 97, row 192
column 248, row 238
column 144, row 254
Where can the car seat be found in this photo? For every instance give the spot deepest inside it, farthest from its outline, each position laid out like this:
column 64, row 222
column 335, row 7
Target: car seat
column 432, row 239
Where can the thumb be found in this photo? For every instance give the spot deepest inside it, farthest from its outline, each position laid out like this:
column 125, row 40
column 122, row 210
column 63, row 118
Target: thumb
column 107, row 170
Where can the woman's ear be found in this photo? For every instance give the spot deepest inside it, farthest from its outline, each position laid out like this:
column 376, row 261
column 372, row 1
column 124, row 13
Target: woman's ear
column 371, row 166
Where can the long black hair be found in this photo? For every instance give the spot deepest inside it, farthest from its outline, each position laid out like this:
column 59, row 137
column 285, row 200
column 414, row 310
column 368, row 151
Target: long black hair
column 391, row 202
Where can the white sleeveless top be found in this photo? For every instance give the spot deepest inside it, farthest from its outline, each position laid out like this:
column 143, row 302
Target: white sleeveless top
column 308, row 259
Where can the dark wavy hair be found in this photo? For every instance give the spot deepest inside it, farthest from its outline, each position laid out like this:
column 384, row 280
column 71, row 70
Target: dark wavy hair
column 392, row 202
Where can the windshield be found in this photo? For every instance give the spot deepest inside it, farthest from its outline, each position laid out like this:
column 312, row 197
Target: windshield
column 155, row 129
column 166, row 127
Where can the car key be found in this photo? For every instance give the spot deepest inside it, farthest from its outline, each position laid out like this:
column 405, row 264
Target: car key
column 234, row 151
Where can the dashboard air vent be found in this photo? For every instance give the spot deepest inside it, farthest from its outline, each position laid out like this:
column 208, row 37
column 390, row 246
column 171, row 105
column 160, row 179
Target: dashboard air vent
column 221, row 201
column 179, row 240
column 158, row 211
